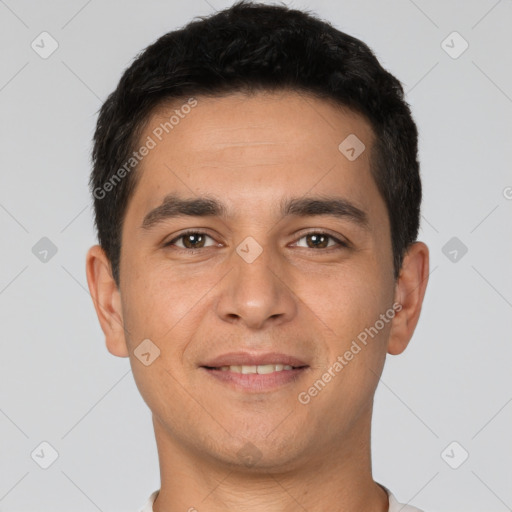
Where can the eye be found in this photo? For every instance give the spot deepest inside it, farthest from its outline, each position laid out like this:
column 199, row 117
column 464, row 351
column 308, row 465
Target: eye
column 191, row 240
column 320, row 240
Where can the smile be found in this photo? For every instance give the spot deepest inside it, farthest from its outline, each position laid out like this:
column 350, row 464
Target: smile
column 257, row 378
column 260, row 369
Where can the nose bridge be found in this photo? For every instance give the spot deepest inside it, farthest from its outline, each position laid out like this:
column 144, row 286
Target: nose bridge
column 255, row 291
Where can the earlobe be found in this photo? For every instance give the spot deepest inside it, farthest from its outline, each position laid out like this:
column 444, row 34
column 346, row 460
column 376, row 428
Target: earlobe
column 409, row 293
column 107, row 300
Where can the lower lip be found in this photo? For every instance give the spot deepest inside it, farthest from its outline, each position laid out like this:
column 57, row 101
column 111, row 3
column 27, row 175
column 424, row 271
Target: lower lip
column 254, row 381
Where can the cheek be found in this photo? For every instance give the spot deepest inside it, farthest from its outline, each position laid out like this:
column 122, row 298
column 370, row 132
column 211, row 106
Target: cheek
column 162, row 308
column 351, row 306
column 355, row 338
column 162, row 304
column 347, row 302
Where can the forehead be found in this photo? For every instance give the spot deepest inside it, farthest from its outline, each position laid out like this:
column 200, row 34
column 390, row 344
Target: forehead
column 253, row 149
column 276, row 118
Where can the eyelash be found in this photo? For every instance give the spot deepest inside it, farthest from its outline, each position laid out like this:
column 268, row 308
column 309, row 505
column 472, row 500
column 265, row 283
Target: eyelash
column 341, row 243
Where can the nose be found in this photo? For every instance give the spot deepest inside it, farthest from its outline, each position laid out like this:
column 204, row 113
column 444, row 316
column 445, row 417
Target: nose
column 257, row 293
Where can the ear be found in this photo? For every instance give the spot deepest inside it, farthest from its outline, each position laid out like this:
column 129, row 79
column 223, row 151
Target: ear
column 409, row 292
column 107, row 300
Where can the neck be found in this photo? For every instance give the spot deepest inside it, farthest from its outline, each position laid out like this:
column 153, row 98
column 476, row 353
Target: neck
column 337, row 479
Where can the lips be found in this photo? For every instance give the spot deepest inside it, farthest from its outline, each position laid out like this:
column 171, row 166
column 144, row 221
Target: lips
column 247, row 359
column 256, row 373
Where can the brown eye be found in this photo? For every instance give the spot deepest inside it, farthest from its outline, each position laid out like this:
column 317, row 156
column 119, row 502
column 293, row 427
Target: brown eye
column 190, row 240
column 193, row 240
column 315, row 240
column 320, row 241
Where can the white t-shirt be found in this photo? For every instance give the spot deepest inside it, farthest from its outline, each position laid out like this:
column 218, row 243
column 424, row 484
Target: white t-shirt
column 394, row 506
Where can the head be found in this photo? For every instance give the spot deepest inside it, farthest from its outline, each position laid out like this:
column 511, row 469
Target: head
column 289, row 155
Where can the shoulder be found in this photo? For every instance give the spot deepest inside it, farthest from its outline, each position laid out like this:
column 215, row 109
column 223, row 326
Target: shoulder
column 148, row 506
column 396, row 506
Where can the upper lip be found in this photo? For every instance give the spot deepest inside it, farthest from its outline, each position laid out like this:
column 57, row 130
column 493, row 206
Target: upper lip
column 253, row 359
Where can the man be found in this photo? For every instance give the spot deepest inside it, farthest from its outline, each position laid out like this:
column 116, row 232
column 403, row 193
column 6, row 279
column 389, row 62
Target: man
column 257, row 201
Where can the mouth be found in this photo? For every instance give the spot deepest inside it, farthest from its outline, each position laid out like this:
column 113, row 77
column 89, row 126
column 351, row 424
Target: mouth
column 255, row 372
column 261, row 369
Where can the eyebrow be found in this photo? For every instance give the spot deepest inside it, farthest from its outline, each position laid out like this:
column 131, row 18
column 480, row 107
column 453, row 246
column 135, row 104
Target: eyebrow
column 174, row 206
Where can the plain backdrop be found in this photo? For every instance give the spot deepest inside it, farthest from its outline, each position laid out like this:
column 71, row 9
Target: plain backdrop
column 447, row 397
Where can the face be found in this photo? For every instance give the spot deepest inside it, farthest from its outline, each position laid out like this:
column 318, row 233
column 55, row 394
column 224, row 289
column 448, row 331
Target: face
column 252, row 241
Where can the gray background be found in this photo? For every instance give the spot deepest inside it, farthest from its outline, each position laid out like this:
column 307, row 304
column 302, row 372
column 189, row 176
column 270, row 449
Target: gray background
column 59, row 384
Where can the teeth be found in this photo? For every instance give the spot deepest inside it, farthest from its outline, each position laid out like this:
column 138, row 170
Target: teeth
column 266, row 368
column 260, row 369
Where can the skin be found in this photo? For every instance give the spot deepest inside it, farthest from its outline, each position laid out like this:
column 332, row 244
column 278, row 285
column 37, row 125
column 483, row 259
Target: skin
column 251, row 152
